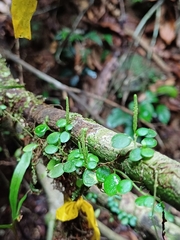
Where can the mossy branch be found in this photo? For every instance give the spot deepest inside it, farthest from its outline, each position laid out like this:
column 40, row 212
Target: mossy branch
column 34, row 111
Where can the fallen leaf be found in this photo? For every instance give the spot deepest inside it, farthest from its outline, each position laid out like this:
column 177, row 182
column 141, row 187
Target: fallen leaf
column 22, row 12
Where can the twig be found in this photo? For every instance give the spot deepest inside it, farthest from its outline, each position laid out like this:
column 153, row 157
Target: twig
column 108, row 232
column 54, row 198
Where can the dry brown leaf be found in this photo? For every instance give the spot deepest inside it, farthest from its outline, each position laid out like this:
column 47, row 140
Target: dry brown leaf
column 167, row 31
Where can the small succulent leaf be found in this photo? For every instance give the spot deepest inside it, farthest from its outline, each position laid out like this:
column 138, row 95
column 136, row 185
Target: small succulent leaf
column 111, row 183
column 92, row 157
column 41, row 129
column 51, row 149
column 151, row 133
column 30, row 147
column 69, row 127
column 56, row 171
column 149, row 142
column 91, row 165
column 146, row 201
column 135, row 155
column 89, row 178
column 79, row 162
column 146, row 111
column 53, row 138
column 124, row 186
column 142, row 131
column 169, row 217
column 120, row 140
column 65, row 136
column 69, row 166
column 61, row 123
column 51, row 164
column 147, row 152
column 74, row 154
column 102, row 173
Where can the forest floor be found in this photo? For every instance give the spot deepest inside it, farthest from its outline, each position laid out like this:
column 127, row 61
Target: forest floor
column 109, row 52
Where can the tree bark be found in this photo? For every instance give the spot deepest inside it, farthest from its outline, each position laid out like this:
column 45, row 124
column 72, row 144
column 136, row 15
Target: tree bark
column 30, row 111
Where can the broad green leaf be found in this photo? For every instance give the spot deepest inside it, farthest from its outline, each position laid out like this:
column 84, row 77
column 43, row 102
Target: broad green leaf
column 163, row 113
column 142, row 131
column 120, row 140
column 135, row 155
column 108, row 39
column 16, row 180
column 118, row 117
column 102, row 173
column 171, row 91
column 53, row 138
column 69, row 166
column 30, row 147
column 147, row 152
column 61, row 123
column 41, row 129
column 51, row 149
column 111, row 183
column 51, row 164
column 22, row 12
column 89, row 178
column 149, row 142
column 65, row 136
column 56, row 171
column 146, row 111
column 159, row 207
column 124, row 186
column 146, row 201
column 93, row 35
column 133, row 221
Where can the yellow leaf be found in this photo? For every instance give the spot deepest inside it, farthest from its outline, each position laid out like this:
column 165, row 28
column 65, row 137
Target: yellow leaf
column 22, row 11
column 71, row 209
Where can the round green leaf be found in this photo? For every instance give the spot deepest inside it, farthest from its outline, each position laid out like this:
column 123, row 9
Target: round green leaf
column 41, row 129
column 171, row 91
column 51, row 164
column 93, row 158
column 151, row 133
column 89, row 178
column 111, row 183
column 65, row 136
column 61, row 123
column 69, row 127
column 133, row 221
column 102, row 173
column 142, row 131
column 163, row 113
column 120, row 140
column 146, row 201
column 74, row 154
column 135, row 155
column 51, row 149
column 53, row 138
column 69, row 166
column 124, row 186
column 91, row 165
column 169, row 217
column 79, row 162
column 30, row 147
column 56, row 171
column 147, row 152
column 146, row 111
column 124, row 221
column 159, row 207
column 149, row 142
column 3, row 107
